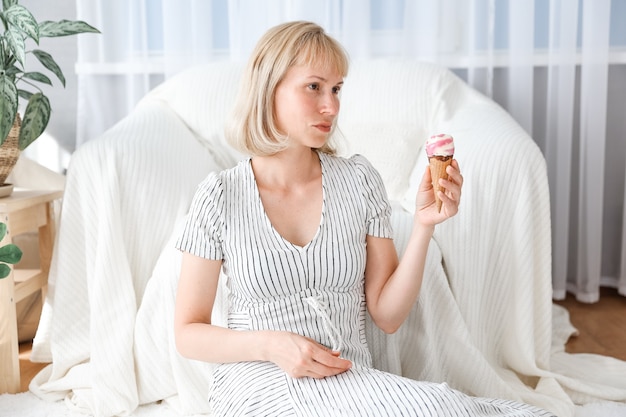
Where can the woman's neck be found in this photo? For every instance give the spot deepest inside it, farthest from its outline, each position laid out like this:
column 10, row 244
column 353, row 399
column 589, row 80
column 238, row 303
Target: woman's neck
column 287, row 168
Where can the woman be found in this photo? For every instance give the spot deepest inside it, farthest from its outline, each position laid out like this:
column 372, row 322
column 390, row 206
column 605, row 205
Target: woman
column 304, row 239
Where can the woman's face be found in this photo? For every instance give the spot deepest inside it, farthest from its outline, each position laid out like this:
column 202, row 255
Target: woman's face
column 306, row 104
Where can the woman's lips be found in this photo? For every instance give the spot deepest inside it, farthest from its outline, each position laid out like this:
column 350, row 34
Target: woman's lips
column 324, row 127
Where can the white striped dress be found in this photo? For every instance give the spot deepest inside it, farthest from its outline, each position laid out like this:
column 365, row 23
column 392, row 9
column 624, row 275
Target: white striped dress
column 317, row 291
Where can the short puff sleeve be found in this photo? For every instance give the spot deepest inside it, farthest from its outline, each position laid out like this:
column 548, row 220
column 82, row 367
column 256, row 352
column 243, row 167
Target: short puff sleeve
column 378, row 209
column 202, row 234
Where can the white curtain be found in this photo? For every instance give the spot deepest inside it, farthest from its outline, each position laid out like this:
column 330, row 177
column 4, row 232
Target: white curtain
column 548, row 62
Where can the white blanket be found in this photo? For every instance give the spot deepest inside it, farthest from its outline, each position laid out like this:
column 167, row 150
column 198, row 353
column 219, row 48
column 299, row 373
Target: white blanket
column 483, row 322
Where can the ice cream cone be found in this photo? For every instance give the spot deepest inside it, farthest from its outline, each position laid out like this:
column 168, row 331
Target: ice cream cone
column 438, row 165
column 440, row 152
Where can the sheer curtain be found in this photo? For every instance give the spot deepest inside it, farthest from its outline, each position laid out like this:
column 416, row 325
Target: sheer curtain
column 549, row 63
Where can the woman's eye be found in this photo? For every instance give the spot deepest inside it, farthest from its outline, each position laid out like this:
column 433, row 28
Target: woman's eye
column 336, row 90
column 314, row 86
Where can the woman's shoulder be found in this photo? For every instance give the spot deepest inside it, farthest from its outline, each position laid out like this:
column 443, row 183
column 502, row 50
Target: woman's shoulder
column 216, row 182
column 357, row 170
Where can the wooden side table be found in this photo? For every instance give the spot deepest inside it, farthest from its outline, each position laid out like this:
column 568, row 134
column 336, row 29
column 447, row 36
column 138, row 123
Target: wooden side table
column 23, row 211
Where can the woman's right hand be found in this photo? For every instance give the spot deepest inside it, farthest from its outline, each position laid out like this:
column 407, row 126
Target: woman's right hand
column 301, row 356
column 425, row 204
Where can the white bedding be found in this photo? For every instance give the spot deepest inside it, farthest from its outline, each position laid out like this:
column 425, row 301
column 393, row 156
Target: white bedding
column 483, row 322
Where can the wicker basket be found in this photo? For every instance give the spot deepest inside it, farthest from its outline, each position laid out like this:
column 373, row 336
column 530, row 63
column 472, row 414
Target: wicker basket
column 9, row 151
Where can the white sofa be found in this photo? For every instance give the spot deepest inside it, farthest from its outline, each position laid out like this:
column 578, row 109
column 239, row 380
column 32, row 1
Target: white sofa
column 483, row 322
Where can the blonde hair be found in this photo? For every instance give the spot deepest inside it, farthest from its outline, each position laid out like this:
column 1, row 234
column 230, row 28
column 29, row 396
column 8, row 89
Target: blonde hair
column 252, row 126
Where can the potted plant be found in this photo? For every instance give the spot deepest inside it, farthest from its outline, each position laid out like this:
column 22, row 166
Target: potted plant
column 19, row 27
column 9, row 254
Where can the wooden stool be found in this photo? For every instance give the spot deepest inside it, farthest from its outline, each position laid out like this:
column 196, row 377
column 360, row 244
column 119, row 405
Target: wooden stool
column 23, row 211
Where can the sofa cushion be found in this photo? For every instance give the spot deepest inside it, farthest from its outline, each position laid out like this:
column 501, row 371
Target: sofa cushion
column 391, row 148
column 202, row 97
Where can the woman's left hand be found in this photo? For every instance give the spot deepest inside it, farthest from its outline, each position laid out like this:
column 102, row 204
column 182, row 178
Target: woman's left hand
column 425, row 204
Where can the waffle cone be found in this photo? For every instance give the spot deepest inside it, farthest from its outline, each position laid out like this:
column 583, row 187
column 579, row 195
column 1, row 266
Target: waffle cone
column 438, row 165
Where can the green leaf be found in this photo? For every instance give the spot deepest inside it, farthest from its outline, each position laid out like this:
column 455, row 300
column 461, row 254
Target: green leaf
column 8, row 3
column 64, row 28
column 16, row 45
column 37, row 76
column 20, row 18
column 8, row 106
column 5, row 270
column 10, row 254
column 26, row 95
column 35, row 119
column 49, row 62
column 10, row 60
column 12, row 71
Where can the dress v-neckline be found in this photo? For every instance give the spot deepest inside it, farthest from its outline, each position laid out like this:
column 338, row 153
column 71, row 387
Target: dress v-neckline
column 267, row 219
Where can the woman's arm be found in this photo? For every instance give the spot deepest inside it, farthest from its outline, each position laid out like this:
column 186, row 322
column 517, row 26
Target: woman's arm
column 196, row 338
column 391, row 287
column 197, row 288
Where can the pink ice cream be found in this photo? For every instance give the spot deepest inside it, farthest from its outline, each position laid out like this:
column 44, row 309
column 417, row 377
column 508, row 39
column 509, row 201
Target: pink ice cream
column 440, row 145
